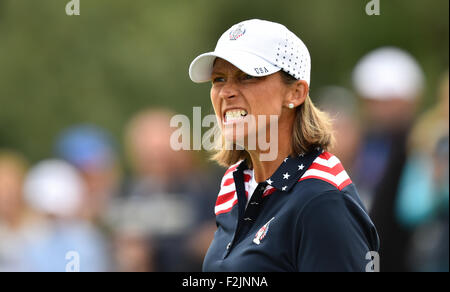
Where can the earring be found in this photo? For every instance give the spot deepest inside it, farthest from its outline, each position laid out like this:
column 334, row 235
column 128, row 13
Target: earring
column 291, row 105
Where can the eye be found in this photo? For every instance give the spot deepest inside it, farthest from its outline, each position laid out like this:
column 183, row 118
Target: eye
column 218, row 79
column 248, row 77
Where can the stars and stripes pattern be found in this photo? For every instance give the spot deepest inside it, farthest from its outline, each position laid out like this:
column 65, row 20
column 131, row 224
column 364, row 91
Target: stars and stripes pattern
column 315, row 165
column 227, row 197
column 327, row 167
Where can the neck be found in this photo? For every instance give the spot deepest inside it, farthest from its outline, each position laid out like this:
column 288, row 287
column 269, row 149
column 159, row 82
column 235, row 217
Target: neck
column 264, row 169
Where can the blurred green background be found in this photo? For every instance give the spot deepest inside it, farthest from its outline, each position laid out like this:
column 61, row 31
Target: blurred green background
column 120, row 56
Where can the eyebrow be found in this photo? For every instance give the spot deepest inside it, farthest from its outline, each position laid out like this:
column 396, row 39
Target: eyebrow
column 218, row 72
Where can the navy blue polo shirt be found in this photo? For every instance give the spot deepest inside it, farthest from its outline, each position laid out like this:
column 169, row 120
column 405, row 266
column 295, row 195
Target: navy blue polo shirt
column 306, row 217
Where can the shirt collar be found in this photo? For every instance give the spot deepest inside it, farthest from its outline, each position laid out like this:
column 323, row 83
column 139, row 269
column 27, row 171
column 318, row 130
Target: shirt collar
column 290, row 170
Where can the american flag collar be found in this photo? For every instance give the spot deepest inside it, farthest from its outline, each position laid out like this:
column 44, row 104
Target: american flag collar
column 290, row 171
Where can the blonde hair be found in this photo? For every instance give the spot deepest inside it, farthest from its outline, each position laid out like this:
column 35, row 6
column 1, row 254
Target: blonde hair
column 312, row 128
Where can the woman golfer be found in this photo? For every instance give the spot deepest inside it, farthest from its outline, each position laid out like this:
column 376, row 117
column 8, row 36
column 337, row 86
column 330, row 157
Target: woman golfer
column 285, row 203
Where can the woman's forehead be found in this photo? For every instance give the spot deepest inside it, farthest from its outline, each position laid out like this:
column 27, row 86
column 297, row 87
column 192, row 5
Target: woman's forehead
column 221, row 65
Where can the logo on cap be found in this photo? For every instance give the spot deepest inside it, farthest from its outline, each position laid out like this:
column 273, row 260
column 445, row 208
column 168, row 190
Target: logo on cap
column 237, row 32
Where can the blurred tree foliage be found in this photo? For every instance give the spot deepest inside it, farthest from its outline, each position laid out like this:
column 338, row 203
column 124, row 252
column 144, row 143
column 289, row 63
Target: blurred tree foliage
column 121, row 56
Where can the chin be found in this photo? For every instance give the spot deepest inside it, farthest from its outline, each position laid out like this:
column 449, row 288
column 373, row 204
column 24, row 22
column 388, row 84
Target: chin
column 233, row 138
column 245, row 140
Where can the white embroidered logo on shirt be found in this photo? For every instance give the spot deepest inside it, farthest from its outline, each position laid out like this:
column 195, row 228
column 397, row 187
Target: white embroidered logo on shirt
column 262, row 232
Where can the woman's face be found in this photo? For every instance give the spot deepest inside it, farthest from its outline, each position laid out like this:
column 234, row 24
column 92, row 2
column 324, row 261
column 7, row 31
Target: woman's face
column 243, row 102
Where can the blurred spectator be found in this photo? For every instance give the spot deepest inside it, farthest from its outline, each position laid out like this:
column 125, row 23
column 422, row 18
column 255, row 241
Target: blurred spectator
column 55, row 190
column 12, row 171
column 342, row 105
column 16, row 220
column 390, row 83
column 134, row 252
column 168, row 200
column 92, row 151
column 423, row 201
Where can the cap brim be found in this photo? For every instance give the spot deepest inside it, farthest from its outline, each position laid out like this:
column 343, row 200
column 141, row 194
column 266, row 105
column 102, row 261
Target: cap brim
column 201, row 68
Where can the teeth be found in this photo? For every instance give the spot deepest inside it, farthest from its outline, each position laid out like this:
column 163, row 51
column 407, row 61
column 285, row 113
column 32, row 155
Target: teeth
column 235, row 114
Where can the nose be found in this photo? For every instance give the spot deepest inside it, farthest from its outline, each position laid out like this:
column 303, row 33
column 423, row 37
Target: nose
column 229, row 90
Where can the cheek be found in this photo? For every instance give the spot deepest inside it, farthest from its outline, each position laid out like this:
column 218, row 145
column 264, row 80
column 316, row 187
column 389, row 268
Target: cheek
column 215, row 101
column 262, row 110
column 266, row 105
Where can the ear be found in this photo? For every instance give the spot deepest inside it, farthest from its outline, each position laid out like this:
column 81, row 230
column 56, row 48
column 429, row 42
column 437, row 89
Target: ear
column 298, row 93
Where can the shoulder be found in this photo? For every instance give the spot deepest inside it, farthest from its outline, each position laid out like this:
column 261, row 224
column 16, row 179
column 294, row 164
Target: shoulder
column 334, row 234
column 328, row 168
column 326, row 202
column 327, row 181
column 325, row 175
column 338, row 217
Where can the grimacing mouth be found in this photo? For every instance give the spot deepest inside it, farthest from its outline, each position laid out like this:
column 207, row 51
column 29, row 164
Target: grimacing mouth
column 234, row 114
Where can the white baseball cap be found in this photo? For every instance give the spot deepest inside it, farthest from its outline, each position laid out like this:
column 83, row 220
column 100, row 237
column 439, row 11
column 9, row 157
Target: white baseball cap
column 258, row 48
column 388, row 73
